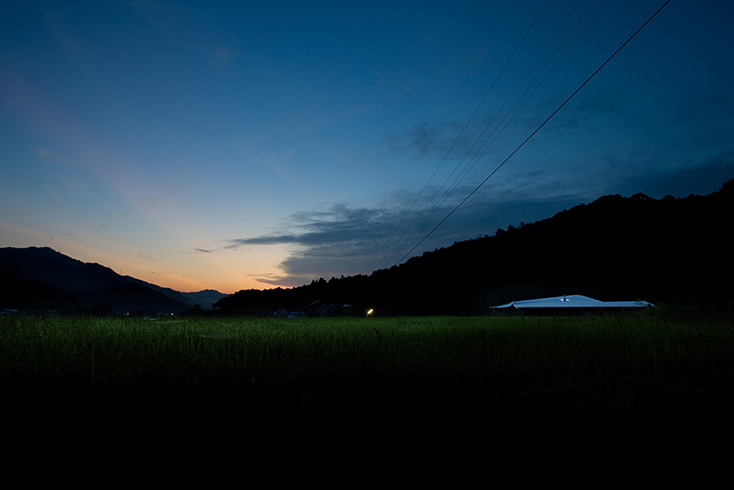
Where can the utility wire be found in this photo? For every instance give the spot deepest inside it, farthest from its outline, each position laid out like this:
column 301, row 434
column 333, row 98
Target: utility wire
column 505, row 121
column 536, row 130
column 471, row 118
column 469, row 165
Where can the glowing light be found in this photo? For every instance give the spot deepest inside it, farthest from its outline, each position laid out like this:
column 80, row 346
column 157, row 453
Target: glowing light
column 370, row 312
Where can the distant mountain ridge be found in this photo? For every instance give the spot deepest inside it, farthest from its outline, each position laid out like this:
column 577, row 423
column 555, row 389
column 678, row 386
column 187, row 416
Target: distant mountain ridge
column 34, row 277
column 615, row 248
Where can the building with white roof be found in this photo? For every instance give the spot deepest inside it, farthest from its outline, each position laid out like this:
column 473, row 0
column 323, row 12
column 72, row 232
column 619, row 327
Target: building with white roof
column 573, row 301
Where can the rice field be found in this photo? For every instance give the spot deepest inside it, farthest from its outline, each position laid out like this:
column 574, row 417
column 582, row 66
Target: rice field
column 654, row 381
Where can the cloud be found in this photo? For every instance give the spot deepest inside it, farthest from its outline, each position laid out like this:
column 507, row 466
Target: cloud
column 424, row 140
column 335, row 224
column 220, row 56
column 278, row 280
column 48, row 156
column 341, row 239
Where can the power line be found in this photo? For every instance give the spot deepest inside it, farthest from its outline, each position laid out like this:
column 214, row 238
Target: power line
column 497, row 131
column 471, row 118
column 536, row 130
column 469, row 165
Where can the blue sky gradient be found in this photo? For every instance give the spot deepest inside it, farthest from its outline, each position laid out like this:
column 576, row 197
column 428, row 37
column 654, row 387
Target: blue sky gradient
column 234, row 145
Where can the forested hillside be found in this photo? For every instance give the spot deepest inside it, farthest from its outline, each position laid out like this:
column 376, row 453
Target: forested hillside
column 615, row 248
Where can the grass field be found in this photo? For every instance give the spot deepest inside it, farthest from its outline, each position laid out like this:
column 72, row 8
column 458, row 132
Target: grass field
column 644, row 383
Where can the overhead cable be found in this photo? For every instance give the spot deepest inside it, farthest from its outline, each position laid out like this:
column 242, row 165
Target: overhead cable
column 536, row 130
column 469, row 165
column 471, row 118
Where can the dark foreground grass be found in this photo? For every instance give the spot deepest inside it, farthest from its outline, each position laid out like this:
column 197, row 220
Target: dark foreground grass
column 486, row 391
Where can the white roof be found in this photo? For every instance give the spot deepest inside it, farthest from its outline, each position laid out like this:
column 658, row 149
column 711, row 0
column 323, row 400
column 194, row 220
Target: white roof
column 572, row 301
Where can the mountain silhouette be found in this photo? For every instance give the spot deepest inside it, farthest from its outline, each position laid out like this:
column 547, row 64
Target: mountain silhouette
column 42, row 278
column 675, row 250
column 20, row 292
column 58, row 270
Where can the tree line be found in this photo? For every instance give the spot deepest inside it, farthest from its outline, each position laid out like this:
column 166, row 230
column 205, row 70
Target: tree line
column 615, row 248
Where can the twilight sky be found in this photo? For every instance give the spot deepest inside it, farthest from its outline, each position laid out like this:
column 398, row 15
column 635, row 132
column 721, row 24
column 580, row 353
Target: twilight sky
column 234, row 145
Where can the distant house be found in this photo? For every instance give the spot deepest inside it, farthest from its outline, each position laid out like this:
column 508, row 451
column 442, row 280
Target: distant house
column 316, row 309
column 573, row 302
column 283, row 313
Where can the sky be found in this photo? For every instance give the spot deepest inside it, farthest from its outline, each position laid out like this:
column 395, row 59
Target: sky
column 232, row 145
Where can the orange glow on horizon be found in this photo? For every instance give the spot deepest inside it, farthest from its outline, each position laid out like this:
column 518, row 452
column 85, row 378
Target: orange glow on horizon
column 181, row 272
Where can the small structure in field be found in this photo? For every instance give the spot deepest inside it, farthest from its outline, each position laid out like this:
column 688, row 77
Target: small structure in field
column 570, row 303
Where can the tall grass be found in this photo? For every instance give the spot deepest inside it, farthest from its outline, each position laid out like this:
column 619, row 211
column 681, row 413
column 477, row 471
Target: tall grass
column 667, row 377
